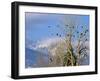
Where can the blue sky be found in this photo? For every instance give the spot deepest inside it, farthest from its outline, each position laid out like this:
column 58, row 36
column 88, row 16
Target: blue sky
column 44, row 29
column 40, row 26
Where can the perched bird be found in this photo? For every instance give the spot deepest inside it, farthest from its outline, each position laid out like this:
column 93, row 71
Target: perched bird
column 66, row 25
column 67, row 34
column 73, row 27
column 82, row 26
column 77, row 32
column 85, row 39
column 87, row 30
column 81, row 33
column 51, row 59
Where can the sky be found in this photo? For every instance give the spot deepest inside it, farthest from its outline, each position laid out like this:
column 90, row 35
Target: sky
column 43, row 26
column 42, row 30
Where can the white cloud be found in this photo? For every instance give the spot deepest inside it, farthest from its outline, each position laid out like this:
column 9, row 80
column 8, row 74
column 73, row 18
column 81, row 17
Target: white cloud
column 49, row 41
column 45, row 43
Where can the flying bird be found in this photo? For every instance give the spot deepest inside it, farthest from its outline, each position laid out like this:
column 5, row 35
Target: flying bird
column 57, row 34
column 49, row 26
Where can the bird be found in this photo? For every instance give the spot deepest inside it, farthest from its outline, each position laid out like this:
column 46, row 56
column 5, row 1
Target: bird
column 81, row 33
column 68, row 35
column 87, row 30
column 73, row 27
column 57, row 34
column 49, row 26
column 66, row 25
column 51, row 59
column 85, row 39
column 77, row 32
column 82, row 26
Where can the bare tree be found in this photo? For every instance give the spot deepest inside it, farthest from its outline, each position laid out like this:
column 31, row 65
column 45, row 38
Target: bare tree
column 75, row 38
column 72, row 58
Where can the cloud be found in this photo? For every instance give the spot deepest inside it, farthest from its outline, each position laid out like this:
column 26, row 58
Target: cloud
column 45, row 43
column 48, row 42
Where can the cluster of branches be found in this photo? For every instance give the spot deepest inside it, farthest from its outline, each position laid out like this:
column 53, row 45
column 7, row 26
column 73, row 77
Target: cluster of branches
column 72, row 50
column 73, row 58
column 76, row 49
